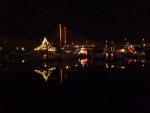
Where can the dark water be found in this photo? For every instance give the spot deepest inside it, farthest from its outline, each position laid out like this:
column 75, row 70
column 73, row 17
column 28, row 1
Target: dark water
column 79, row 86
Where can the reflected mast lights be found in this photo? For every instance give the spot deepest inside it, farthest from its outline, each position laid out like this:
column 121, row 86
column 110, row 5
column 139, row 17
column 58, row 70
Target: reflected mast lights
column 45, row 73
column 83, row 61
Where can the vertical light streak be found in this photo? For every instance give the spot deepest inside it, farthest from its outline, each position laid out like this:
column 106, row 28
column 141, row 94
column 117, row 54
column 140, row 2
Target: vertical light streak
column 60, row 75
column 60, row 33
column 65, row 35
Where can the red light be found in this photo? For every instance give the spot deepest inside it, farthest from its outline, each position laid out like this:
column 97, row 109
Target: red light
column 84, row 60
column 130, row 51
column 129, row 61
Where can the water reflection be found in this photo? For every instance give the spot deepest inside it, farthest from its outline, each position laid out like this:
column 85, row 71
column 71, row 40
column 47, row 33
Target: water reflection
column 74, row 84
column 15, row 65
column 45, row 69
column 69, row 67
column 140, row 62
column 64, row 68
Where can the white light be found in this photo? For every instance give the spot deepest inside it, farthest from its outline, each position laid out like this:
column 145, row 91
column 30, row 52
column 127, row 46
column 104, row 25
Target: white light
column 22, row 48
column 23, row 61
column 67, row 67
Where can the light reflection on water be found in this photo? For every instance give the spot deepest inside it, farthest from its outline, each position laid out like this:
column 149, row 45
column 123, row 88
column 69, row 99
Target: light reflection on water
column 75, row 85
column 63, row 67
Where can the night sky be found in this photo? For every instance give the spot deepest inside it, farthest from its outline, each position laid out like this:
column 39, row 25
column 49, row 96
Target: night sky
column 101, row 20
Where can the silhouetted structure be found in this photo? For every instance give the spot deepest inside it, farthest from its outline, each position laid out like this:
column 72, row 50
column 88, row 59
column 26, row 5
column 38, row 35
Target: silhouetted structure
column 68, row 37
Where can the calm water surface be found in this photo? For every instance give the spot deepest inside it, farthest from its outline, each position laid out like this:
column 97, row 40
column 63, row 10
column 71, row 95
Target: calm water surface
column 75, row 86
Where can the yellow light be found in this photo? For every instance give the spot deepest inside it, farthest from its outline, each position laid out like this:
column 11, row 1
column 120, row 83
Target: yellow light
column 76, row 65
column 121, row 50
column 112, row 56
column 106, row 65
column 143, row 61
column 67, row 67
column 122, row 67
column 44, row 73
column 106, row 55
column 112, row 66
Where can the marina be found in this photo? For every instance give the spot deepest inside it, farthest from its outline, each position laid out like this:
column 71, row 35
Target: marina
column 74, row 77
column 75, row 56
column 67, row 48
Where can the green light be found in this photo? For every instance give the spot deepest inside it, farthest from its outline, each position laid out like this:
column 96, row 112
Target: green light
column 127, row 43
column 23, row 61
column 23, row 49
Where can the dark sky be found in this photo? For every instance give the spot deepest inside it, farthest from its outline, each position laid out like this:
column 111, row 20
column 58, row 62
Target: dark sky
column 100, row 20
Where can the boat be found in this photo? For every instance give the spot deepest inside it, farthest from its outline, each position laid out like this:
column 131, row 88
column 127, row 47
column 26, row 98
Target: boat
column 98, row 53
column 45, row 51
column 119, row 53
column 84, row 52
column 68, row 53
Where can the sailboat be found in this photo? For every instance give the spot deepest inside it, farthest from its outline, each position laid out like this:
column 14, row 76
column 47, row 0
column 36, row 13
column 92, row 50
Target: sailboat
column 45, row 51
column 68, row 52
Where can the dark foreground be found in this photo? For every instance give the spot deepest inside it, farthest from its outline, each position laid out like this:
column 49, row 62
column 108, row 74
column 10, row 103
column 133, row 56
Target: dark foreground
column 92, row 89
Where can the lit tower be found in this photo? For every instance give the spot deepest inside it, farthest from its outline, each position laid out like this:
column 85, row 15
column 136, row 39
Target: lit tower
column 65, row 36
column 60, row 34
